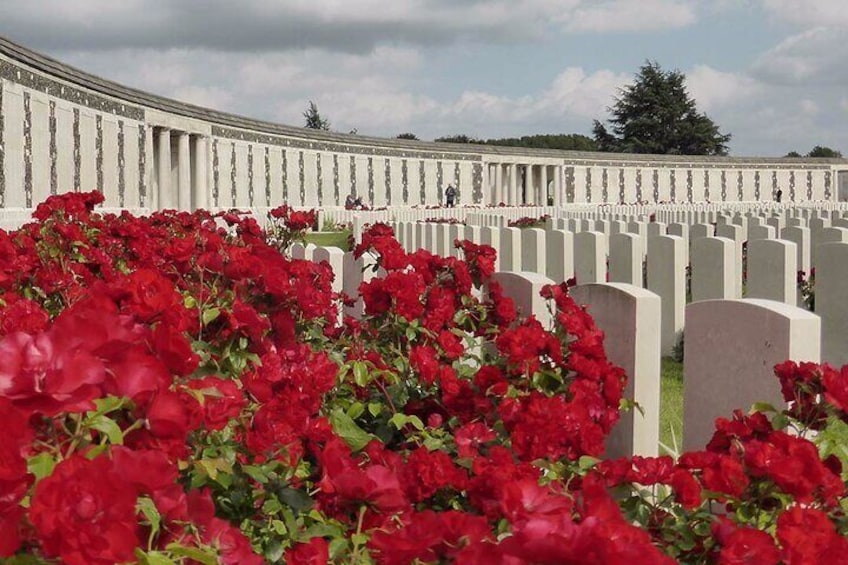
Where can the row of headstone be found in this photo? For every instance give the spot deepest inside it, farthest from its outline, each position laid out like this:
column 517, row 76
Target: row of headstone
column 726, row 365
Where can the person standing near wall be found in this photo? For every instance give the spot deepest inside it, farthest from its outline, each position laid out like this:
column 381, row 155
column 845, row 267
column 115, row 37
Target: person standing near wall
column 450, row 196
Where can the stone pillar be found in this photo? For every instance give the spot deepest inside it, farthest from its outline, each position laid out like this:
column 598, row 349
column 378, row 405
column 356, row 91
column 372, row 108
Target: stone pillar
column 714, row 269
column 559, row 196
column 731, row 349
column 200, row 190
column 498, row 192
column 625, row 259
column 529, row 197
column 667, row 260
column 163, row 175
column 630, row 319
column 832, row 301
column 543, row 186
column 590, row 255
column 772, row 270
column 513, row 185
column 184, row 171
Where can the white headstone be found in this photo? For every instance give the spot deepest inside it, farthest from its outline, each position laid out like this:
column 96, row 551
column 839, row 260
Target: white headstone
column 590, row 257
column 731, row 365
column 772, row 270
column 630, row 319
column 560, row 255
column 667, row 260
column 714, row 269
column 832, row 301
column 625, row 259
column 533, row 251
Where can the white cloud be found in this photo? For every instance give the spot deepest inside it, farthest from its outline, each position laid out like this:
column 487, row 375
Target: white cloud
column 713, row 89
column 334, row 25
column 816, row 57
column 631, row 15
column 808, row 12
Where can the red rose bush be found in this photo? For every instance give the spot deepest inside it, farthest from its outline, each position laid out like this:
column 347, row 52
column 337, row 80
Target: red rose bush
column 174, row 389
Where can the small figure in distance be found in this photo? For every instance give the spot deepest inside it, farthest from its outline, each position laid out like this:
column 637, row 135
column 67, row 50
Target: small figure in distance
column 350, row 202
column 450, row 196
column 778, row 195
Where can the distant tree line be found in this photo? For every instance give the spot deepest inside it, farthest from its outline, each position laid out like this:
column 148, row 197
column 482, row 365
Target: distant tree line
column 818, row 151
column 563, row 141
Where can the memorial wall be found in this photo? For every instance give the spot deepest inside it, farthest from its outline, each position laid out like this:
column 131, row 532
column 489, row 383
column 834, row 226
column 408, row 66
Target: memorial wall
column 65, row 130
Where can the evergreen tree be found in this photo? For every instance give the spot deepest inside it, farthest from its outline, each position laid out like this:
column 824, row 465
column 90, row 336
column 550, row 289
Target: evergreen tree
column 655, row 114
column 314, row 119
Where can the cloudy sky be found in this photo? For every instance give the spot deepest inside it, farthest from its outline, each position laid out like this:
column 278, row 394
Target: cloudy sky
column 770, row 72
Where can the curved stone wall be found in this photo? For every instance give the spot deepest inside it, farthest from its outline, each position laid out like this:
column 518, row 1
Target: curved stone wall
column 64, row 130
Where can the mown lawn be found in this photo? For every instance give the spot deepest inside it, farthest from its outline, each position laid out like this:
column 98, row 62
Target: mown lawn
column 330, row 239
column 671, row 406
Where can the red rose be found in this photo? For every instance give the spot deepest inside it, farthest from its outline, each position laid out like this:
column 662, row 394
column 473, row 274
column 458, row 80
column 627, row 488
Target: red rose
column 38, row 376
column 84, row 513
column 314, row 552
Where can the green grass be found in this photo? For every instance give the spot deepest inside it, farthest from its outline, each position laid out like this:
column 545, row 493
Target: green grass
column 671, row 405
column 330, row 239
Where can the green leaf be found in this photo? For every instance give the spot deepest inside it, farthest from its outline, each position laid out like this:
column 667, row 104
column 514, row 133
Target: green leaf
column 375, row 408
column 107, row 426
column 210, row 315
column 585, row 463
column 41, row 465
column 256, row 473
column 108, row 404
column 400, row 421
column 296, row 499
column 360, row 373
column 356, row 409
column 197, row 554
column 763, row 407
column 337, row 547
column 148, row 508
column 355, row 437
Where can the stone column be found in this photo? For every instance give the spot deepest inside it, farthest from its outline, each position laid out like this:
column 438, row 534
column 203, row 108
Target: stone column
column 163, row 149
column 543, row 186
column 498, row 192
column 529, row 196
column 184, row 172
column 200, row 190
column 558, row 195
column 512, row 199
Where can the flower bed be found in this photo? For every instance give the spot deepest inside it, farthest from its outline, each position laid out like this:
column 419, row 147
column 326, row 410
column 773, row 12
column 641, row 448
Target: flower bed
column 527, row 222
column 173, row 390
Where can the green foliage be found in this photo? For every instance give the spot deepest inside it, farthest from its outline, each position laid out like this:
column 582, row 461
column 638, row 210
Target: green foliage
column 562, row 141
column 656, row 115
column 459, row 138
column 313, row 118
column 407, row 135
column 818, row 151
